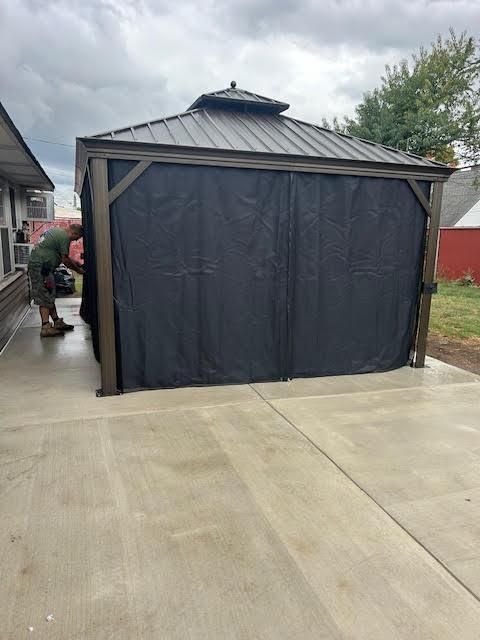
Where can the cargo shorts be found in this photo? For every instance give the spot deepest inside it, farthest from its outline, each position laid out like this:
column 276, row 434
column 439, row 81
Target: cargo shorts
column 41, row 294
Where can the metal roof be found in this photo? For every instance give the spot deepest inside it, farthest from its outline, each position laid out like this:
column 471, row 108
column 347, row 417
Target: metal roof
column 17, row 162
column 239, row 99
column 459, row 195
column 215, row 128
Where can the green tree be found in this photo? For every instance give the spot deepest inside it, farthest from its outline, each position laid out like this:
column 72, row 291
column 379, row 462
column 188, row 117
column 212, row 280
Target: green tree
column 430, row 107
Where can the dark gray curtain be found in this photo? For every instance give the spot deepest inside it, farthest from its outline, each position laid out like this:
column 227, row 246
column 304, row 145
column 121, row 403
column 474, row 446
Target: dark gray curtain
column 236, row 275
column 200, row 275
column 88, row 308
column 356, row 265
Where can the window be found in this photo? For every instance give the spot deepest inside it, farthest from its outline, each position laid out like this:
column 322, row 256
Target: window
column 37, row 207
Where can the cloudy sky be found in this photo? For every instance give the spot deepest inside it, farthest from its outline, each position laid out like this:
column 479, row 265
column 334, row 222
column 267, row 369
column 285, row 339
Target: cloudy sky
column 70, row 68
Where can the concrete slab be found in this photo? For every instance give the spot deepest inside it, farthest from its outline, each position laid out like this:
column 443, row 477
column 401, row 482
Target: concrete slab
column 69, row 309
column 50, row 379
column 416, row 452
column 203, row 513
column 450, row 525
column 435, row 373
column 208, row 524
column 31, row 399
column 27, row 350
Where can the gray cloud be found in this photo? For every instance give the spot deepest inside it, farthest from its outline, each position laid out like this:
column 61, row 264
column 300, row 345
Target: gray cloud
column 71, row 68
column 375, row 24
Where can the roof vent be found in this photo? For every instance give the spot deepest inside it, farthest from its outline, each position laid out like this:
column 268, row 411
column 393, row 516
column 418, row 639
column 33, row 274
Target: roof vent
column 235, row 99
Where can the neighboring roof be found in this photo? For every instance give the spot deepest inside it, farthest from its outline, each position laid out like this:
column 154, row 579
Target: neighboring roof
column 17, row 162
column 460, row 194
column 471, row 218
column 66, row 213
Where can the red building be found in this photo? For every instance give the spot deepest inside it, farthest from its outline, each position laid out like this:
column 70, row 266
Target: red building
column 459, row 247
column 459, row 253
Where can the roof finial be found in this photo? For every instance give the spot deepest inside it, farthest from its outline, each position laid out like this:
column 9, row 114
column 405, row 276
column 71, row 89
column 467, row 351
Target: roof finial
column 233, row 84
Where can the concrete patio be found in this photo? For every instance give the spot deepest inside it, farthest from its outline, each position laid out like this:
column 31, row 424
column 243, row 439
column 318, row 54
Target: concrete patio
column 339, row 508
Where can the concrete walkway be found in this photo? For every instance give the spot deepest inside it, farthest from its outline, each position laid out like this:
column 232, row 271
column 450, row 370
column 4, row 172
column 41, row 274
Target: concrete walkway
column 339, row 508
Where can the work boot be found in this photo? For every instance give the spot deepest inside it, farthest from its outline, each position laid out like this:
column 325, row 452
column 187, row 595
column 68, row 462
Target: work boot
column 63, row 326
column 49, row 332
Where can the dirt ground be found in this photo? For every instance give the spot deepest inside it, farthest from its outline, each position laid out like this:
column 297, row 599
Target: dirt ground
column 460, row 352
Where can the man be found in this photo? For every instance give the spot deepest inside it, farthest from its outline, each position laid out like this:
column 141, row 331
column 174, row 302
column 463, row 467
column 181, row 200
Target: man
column 51, row 251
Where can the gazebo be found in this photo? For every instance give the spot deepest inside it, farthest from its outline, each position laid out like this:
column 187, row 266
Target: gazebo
column 231, row 243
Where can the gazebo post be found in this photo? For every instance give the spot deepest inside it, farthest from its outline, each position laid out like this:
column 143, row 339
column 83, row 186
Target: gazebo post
column 103, row 252
column 428, row 286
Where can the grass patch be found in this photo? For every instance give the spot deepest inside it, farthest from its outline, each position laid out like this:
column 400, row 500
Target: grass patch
column 78, row 285
column 456, row 311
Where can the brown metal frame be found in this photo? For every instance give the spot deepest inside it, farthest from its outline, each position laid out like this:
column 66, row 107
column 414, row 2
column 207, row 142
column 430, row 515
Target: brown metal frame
column 420, row 196
column 103, row 251
column 430, row 265
column 126, row 181
column 102, row 198
column 95, row 159
column 154, row 152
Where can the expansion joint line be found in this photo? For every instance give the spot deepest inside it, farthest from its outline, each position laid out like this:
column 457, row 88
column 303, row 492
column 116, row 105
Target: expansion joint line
column 366, row 493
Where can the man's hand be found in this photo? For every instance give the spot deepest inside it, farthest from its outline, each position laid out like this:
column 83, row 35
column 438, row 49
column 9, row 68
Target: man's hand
column 80, row 268
column 71, row 264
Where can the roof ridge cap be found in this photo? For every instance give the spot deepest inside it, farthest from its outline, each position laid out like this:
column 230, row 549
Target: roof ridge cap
column 250, row 93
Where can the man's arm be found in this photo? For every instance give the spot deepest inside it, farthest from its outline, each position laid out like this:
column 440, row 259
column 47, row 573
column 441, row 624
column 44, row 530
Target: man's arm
column 71, row 264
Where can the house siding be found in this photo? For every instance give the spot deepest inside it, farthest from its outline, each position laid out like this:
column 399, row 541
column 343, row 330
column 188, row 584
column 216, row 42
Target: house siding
column 471, row 218
column 14, row 302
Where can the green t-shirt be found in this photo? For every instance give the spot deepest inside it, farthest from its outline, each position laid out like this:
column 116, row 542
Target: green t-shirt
column 54, row 244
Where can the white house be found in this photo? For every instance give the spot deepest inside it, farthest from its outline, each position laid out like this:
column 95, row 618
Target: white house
column 461, row 199
column 26, row 195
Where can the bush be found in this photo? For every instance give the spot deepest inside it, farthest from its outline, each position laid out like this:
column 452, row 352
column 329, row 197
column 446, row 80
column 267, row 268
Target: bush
column 467, row 280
